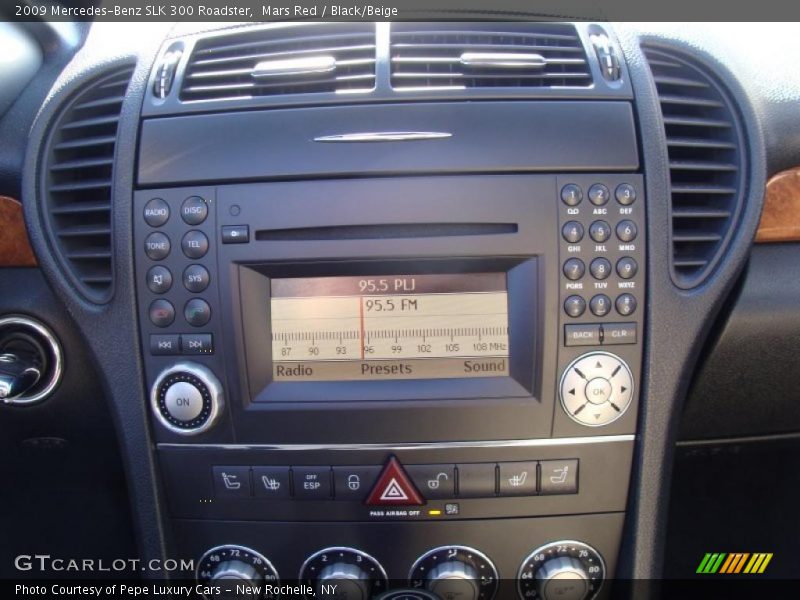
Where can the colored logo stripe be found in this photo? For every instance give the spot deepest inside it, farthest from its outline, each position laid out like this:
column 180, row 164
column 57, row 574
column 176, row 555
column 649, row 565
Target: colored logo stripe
column 734, row 563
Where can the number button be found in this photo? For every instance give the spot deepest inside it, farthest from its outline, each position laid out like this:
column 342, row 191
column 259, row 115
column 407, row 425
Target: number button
column 627, row 267
column 571, row 194
column 574, row 269
column 625, row 194
column 572, row 232
column 626, row 304
column 574, row 306
column 600, row 231
column 627, row 231
column 600, row 268
column 600, row 305
column 598, row 194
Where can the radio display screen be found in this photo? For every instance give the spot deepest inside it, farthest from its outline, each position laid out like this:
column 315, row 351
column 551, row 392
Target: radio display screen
column 389, row 327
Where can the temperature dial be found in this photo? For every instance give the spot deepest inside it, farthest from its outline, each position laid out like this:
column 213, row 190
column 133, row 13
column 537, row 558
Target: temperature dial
column 343, row 573
column 229, row 566
column 455, row 572
column 596, row 389
column 563, row 570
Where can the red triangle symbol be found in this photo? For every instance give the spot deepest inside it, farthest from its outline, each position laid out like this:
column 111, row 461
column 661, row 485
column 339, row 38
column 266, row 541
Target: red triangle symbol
column 394, row 488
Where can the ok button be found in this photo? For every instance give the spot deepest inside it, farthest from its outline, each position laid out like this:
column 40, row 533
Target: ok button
column 598, row 390
column 183, row 401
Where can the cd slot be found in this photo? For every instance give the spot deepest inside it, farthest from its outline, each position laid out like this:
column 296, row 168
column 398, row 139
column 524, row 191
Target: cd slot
column 385, row 231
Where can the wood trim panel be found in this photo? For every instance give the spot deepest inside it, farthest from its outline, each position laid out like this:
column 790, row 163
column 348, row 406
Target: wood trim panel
column 15, row 248
column 780, row 220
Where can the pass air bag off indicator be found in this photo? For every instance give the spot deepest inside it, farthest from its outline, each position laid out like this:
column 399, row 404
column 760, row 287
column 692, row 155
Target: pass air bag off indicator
column 390, row 327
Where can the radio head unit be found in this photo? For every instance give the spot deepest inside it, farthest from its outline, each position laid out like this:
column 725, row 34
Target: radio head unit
column 384, row 330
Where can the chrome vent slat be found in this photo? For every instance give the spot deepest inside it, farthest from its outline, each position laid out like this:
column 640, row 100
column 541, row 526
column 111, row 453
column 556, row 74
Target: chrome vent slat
column 77, row 185
column 440, row 56
column 704, row 143
column 242, row 64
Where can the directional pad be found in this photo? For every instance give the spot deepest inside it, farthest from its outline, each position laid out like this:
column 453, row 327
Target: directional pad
column 596, row 389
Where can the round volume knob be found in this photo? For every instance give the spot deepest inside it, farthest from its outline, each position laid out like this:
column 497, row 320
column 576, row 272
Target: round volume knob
column 187, row 398
column 565, row 570
column 236, row 566
column 455, row 572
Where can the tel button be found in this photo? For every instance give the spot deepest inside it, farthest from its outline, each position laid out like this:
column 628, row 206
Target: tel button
column 312, row 483
column 272, row 482
column 353, row 483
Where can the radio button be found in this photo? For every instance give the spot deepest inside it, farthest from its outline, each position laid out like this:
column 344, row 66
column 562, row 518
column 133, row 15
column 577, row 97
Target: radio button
column 581, row 335
column 477, row 480
column 157, row 246
column 627, row 231
column 194, row 210
column 574, row 269
column 571, row 194
column 627, row 267
column 599, row 194
column 518, row 478
column 272, row 482
column 161, row 313
column 197, row 343
column 600, row 231
column 159, row 279
column 354, row 483
column 625, row 194
column 626, row 304
column 312, row 483
column 574, row 306
column 197, row 312
column 194, row 244
column 572, row 232
column 156, row 212
column 600, row 268
column 196, row 278
column 433, row 481
column 600, row 305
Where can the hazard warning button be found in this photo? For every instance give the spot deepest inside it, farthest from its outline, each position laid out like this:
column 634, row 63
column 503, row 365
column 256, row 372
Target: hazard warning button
column 394, row 488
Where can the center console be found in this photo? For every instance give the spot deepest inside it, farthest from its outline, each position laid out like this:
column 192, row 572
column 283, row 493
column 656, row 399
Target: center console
column 411, row 362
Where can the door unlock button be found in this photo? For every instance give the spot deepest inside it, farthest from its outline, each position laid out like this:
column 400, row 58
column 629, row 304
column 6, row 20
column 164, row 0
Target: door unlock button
column 433, row 481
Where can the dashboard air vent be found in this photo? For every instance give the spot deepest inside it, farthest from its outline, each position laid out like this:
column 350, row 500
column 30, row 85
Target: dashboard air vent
column 487, row 55
column 704, row 144
column 77, row 184
column 306, row 59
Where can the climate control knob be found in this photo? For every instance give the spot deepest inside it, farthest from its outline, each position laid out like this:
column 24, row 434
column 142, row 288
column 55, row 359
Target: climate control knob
column 343, row 573
column 187, row 398
column 233, row 569
column 563, row 570
column 455, row 572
